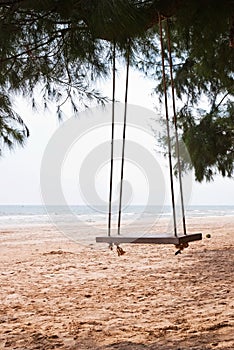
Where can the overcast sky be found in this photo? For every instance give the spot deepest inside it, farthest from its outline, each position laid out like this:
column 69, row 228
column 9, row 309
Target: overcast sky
column 20, row 169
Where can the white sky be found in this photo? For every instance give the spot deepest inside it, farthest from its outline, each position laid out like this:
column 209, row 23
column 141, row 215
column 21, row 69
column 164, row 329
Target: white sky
column 20, row 169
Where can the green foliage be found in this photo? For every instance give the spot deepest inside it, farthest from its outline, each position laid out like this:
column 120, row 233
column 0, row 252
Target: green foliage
column 64, row 47
column 46, row 43
column 210, row 142
column 203, row 63
column 206, row 71
column 12, row 128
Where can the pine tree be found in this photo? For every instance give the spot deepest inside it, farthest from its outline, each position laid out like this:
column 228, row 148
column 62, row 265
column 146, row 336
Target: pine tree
column 65, row 46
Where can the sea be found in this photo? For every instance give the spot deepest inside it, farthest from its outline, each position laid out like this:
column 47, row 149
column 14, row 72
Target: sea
column 36, row 215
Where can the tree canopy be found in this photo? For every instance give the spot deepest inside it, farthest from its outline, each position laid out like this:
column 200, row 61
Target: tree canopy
column 63, row 47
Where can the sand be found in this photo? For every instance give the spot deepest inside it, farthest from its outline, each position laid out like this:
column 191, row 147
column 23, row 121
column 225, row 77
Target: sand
column 57, row 294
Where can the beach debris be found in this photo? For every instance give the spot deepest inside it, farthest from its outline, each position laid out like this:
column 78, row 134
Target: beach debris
column 181, row 247
column 208, row 235
column 57, row 252
column 178, row 252
column 120, row 250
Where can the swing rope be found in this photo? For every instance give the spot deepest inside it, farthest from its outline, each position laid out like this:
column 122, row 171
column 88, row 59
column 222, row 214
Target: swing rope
column 124, row 138
column 180, row 242
column 112, row 138
column 167, row 125
column 175, row 126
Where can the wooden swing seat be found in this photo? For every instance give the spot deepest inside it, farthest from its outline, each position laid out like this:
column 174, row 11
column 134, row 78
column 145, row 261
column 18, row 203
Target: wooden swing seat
column 151, row 239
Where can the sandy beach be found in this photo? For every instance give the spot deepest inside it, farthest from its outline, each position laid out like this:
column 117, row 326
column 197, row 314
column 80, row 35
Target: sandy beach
column 58, row 294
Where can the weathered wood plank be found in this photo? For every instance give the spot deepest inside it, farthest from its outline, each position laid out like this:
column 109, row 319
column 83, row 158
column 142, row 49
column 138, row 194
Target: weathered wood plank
column 150, row 239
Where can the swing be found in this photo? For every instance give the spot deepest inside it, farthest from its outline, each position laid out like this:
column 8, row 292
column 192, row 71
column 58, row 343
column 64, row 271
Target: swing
column 179, row 240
